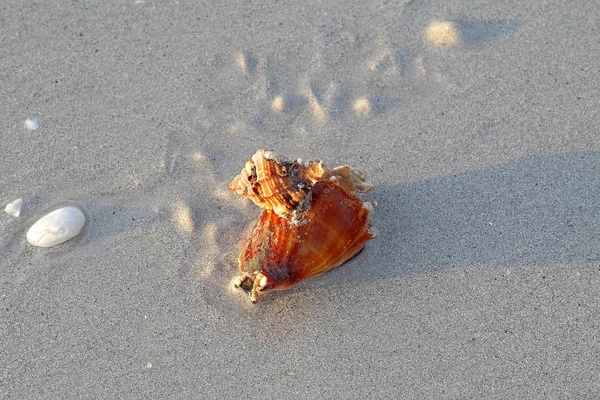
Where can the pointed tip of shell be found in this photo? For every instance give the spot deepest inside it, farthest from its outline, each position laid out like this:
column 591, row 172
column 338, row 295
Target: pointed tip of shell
column 275, row 183
column 267, row 155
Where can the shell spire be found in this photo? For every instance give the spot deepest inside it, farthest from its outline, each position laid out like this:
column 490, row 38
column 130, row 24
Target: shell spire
column 315, row 219
column 275, row 183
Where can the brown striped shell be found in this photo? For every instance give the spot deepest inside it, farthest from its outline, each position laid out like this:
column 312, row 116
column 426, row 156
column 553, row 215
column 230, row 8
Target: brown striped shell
column 329, row 227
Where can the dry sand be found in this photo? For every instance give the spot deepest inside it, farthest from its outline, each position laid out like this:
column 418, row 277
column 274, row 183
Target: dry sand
column 483, row 144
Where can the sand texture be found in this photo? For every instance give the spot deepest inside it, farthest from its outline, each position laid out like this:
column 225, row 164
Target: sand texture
column 477, row 122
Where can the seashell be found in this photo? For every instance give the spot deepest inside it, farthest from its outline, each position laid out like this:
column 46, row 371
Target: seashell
column 56, row 227
column 329, row 227
column 14, row 208
column 275, row 183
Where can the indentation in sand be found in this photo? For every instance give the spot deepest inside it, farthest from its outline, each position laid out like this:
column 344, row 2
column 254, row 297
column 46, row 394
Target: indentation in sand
column 383, row 60
column 320, row 105
column 182, row 217
column 362, row 106
column 246, row 130
column 199, row 158
column 240, row 63
column 227, row 196
column 480, row 32
column 443, row 80
column 317, row 108
column 418, row 62
column 278, row 104
column 443, row 34
column 210, row 253
column 245, row 62
column 386, row 69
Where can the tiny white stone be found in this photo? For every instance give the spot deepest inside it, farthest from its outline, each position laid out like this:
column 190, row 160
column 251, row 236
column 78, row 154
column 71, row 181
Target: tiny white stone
column 14, row 208
column 56, row 227
column 31, row 124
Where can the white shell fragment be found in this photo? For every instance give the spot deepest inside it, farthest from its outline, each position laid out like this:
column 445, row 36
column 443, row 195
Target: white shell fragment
column 14, row 208
column 31, row 124
column 56, row 227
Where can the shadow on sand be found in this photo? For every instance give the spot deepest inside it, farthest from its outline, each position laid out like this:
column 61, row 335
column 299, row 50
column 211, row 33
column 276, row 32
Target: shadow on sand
column 537, row 210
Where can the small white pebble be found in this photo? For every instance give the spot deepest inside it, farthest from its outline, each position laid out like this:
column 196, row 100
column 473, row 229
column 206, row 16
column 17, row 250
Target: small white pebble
column 14, row 208
column 149, row 365
column 56, row 227
column 31, row 124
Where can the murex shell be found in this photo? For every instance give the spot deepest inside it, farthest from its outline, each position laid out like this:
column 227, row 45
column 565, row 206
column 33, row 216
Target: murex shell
column 314, row 220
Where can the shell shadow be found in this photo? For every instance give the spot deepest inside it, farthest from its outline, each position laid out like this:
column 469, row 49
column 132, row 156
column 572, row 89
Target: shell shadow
column 537, row 210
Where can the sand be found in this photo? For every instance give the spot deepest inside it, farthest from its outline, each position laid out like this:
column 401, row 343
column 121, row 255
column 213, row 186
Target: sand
column 482, row 143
